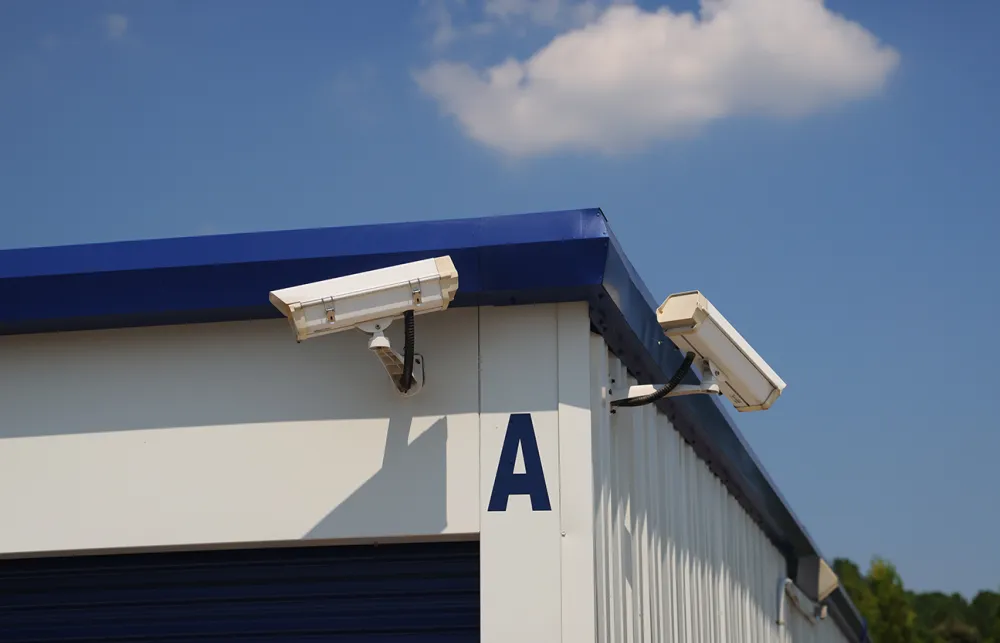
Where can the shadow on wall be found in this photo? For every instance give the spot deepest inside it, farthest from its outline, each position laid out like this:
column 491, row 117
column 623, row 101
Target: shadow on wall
column 674, row 536
column 410, row 488
column 299, row 427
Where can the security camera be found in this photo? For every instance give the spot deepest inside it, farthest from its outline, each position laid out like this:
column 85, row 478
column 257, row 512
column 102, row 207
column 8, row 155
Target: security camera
column 370, row 301
column 728, row 365
column 816, row 578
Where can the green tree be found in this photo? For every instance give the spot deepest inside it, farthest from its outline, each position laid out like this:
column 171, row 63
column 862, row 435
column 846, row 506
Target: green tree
column 856, row 586
column 984, row 615
column 955, row 631
column 895, row 615
column 940, row 617
column 896, row 620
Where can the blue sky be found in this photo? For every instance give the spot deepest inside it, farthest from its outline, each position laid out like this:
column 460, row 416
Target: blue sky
column 838, row 199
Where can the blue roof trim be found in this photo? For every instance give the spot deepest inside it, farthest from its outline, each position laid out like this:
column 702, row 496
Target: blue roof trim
column 520, row 259
column 227, row 277
column 352, row 243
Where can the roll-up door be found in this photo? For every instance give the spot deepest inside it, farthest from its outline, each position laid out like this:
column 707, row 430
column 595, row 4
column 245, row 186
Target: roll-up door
column 405, row 593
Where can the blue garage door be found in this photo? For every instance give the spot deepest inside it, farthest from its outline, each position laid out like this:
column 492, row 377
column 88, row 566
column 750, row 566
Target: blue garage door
column 404, row 593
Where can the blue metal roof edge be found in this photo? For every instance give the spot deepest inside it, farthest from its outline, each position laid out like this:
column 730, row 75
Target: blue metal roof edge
column 516, row 259
column 557, row 256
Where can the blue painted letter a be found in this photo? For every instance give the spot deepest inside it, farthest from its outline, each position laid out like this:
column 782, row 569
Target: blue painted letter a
column 520, row 432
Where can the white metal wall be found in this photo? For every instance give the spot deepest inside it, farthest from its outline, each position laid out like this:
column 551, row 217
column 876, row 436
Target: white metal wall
column 678, row 559
column 215, row 434
column 233, row 433
column 536, row 564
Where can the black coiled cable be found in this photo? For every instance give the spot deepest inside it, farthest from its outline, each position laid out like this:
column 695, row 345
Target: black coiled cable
column 406, row 379
column 642, row 400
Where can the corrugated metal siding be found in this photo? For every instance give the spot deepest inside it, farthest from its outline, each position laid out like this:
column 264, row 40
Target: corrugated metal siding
column 400, row 592
column 678, row 559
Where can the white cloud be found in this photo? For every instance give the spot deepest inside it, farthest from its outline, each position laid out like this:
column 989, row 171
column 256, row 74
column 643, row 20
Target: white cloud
column 541, row 11
column 549, row 13
column 116, row 25
column 437, row 13
column 450, row 23
column 632, row 76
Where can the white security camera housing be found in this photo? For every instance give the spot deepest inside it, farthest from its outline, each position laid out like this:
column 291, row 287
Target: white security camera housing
column 725, row 358
column 816, row 578
column 333, row 305
column 370, row 301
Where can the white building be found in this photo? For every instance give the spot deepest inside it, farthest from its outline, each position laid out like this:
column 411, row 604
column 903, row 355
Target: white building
column 174, row 466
